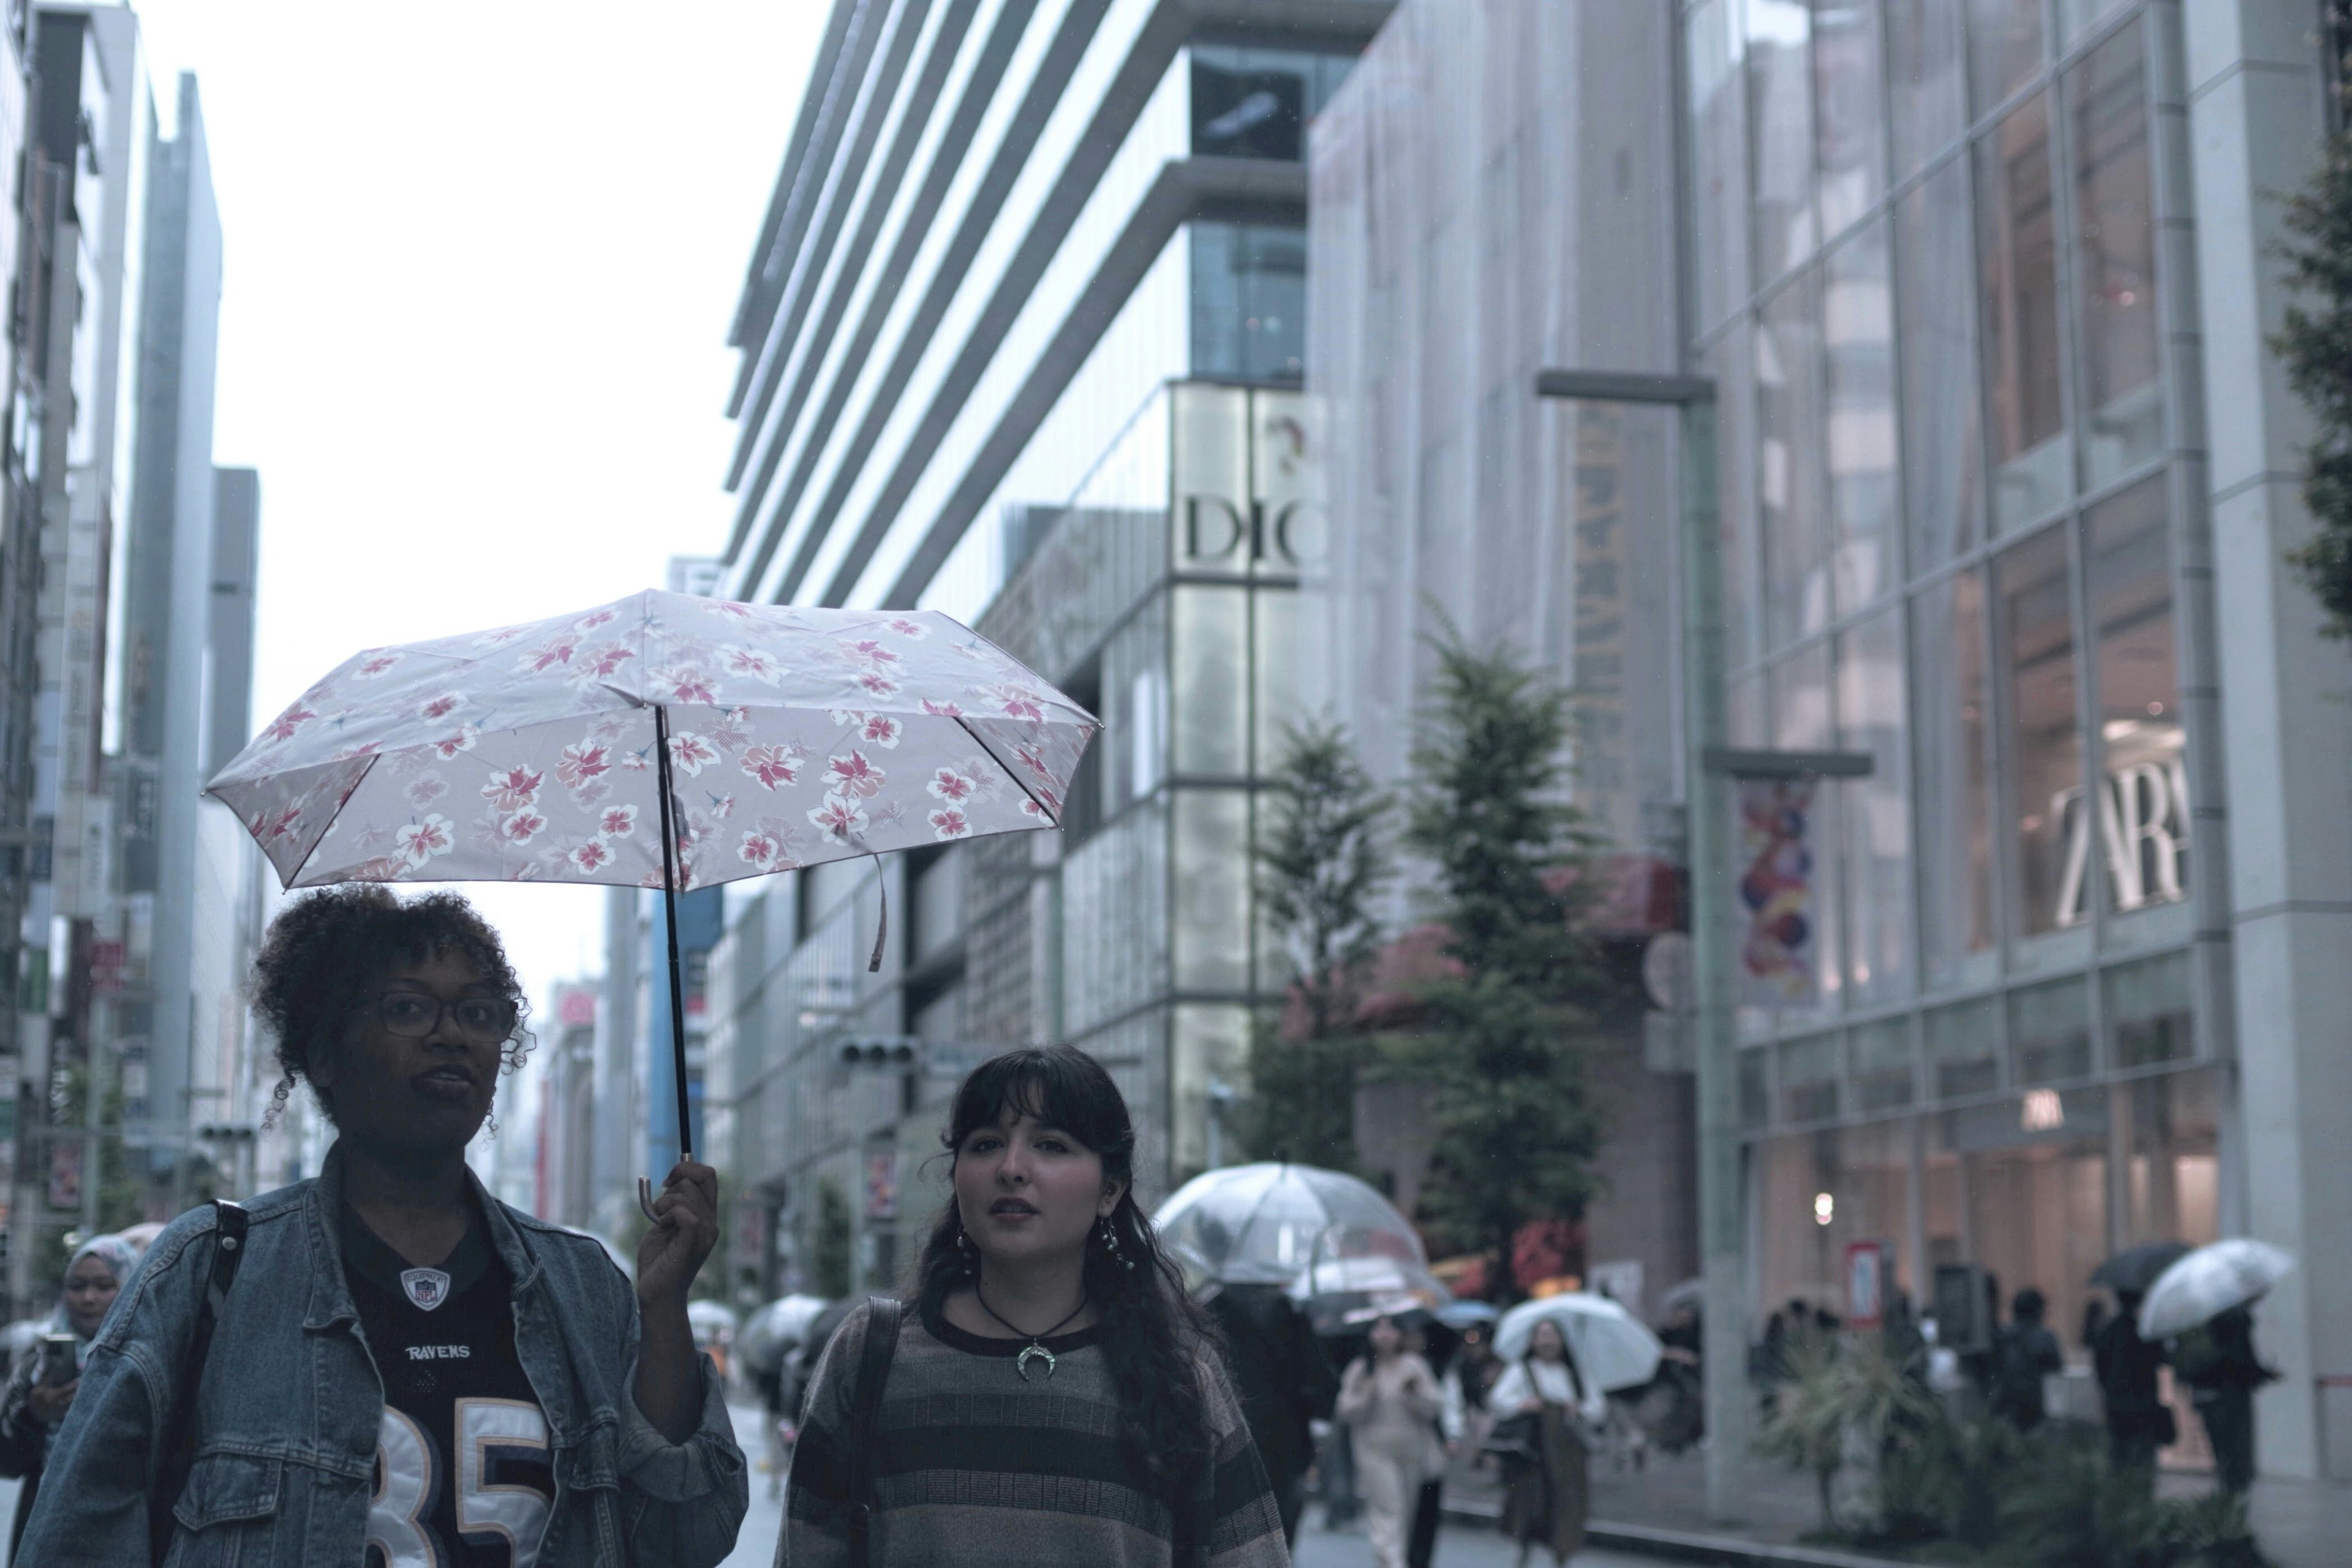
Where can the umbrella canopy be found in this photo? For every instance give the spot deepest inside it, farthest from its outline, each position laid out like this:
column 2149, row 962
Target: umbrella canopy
column 709, row 1317
column 1613, row 1349
column 1460, row 1314
column 1346, row 1293
column 527, row 754
column 2207, row 1282
column 1265, row 1223
column 775, row 1329
column 2135, row 1269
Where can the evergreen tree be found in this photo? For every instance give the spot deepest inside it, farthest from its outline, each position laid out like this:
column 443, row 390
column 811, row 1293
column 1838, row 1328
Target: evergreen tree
column 2314, row 340
column 1506, row 1045
column 1320, row 862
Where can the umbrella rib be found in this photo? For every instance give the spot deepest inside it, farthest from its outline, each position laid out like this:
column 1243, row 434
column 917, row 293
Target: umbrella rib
column 304, row 864
column 1009, row 773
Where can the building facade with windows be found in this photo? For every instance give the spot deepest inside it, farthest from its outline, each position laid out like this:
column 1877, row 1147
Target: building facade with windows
column 1021, row 340
column 2007, row 478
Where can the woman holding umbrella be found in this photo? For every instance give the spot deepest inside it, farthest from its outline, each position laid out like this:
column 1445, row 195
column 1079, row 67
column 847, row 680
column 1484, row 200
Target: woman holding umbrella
column 1548, row 1395
column 1390, row 1401
column 1050, row 1394
column 403, row 1365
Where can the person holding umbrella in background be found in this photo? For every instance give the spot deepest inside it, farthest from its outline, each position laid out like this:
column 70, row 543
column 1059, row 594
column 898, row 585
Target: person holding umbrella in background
column 2203, row 1306
column 493, row 1374
column 1546, row 1392
column 1390, row 1401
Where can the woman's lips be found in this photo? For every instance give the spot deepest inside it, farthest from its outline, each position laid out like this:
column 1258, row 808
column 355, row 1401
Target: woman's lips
column 1011, row 1208
column 451, row 1086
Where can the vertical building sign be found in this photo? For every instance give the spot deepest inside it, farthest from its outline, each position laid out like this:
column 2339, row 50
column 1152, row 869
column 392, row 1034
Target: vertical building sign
column 1776, row 885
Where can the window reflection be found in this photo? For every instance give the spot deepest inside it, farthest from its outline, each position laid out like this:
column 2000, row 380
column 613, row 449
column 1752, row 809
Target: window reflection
column 1780, row 133
column 1249, row 301
column 2123, row 394
column 1858, row 428
column 2143, row 802
column 2037, row 631
column 2049, row 1030
column 2148, row 1017
column 1788, row 478
column 1876, row 809
column 1845, row 99
column 1718, row 208
column 1883, row 1075
column 1942, row 448
column 2004, row 49
column 1802, row 721
column 1964, row 1049
column 1954, row 781
column 2017, row 261
column 1927, row 88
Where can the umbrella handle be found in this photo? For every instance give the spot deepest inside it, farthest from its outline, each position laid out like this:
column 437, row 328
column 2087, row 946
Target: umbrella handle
column 646, row 1200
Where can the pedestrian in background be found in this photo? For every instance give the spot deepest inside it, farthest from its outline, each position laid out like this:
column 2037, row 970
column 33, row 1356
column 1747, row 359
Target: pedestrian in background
column 2138, row 1421
column 2217, row 1361
column 1546, row 1391
column 41, row 1388
column 2024, row 1354
column 1283, row 1380
column 1390, row 1401
column 492, row 1373
column 1053, row 1397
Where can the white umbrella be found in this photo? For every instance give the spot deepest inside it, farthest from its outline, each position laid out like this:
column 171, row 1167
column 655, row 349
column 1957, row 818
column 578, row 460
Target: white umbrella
column 1265, row 1223
column 710, row 1317
column 778, row 1327
column 1612, row 1348
column 2209, row 1282
column 1342, row 1293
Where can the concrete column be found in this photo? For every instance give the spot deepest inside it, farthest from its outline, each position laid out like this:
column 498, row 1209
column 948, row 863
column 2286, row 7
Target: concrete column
column 2255, row 85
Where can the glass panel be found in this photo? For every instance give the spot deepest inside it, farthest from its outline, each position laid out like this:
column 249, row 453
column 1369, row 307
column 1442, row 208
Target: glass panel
column 2115, row 202
column 1717, row 138
column 2143, row 803
column 1956, row 928
column 1858, row 423
column 1210, row 865
column 1780, row 133
column 1964, row 1048
column 2049, row 1030
column 1212, row 716
column 1802, row 722
column 2004, row 49
column 2172, row 1179
column 2036, row 1174
column 1250, row 103
column 1276, row 620
column 1884, row 1073
column 1877, row 809
column 1942, row 447
column 1135, row 708
column 2045, row 743
column 1788, row 478
column 1208, row 1054
column 1755, row 1101
column 1926, row 87
column 2149, row 1013
column 1808, row 1075
column 2076, row 17
column 1845, row 104
column 1816, row 1195
column 2017, row 263
column 1729, row 361
column 1249, row 301
column 1114, row 921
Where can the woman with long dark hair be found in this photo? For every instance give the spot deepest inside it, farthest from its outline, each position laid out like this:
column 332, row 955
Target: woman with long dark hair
column 1546, row 1500
column 1050, row 1394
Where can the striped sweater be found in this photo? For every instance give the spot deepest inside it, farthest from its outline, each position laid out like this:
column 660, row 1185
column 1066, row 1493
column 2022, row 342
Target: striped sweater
column 976, row 1467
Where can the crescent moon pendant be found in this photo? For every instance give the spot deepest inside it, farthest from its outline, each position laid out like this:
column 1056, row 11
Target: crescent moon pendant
column 1020, row 1361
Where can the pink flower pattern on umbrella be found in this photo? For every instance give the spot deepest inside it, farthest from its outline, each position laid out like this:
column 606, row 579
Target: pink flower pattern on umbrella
column 853, row 775
column 268, row 828
column 948, row 823
column 288, row 723
column 424, row 789
column 756, row 663
column 881, row 730
column 578, row 764
column 877, row 684
column 689, row 753
column 759, row 849
column 512, row 789
column 689, row 684
column 942, row 709
column 420, row 841
column 449, row 747
column 590, row 858
column 951, row 787
column 549, row 655
column 773, row 766
column 839, row 817
column 914, row 631
column 375, row 664
column 522, row 827
column 602, row 662
column 618, row 822
column 868, row 651
column 1018, row 702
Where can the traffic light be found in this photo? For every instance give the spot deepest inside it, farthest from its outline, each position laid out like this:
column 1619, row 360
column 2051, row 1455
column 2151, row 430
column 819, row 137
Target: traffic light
column 888, row 1051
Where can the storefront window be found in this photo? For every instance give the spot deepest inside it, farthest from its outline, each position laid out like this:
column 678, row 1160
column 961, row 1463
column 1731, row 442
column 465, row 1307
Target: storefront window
column 2144, row 808
column 1942, row 445
column 2150, row 1016
column 2049, row 1031
column 1755, row 1095
column 1718, row 206
column 2076, row 17
column 1730, row 362
column 1858, row 423
column 1845, row 104
column 1955, row 706
column 1876, row 809
column 1780, row 133
column 1249, row 301
column 2017, row 266
column 2045, row 745
column 1211, row 705
column 2171, row 1184
column 1788, row 467
column 2123, row 387
column 2034, row 1174
column 1819, row 1193
column 1884, row 1078
column 1964, row 1048
column 1209, row 867
column 1802, row 722
column 2004, row 49
column 1927, row 86
column 1809, row 1080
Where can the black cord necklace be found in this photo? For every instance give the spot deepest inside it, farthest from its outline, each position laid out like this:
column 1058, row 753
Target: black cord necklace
column 1036, row 1341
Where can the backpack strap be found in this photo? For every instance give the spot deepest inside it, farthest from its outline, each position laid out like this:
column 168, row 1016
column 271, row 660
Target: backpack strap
column 177, row 1454
column 883, row 1315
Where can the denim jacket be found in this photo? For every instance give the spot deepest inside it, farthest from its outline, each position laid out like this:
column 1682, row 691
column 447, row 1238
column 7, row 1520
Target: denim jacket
column 288, row 1413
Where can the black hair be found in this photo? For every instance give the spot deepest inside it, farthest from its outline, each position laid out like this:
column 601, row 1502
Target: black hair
column 323, row 951
column 2028, row 1306
column 1154, row 1338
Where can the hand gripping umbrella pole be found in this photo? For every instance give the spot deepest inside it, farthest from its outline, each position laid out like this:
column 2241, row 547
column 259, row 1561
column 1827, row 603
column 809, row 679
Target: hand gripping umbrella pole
column 669, row 930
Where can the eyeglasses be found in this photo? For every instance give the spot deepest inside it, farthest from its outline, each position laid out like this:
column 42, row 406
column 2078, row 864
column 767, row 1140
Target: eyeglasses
column 412, row 1015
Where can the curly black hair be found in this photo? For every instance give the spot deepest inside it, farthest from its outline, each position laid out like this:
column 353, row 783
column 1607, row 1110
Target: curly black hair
column 323, row 951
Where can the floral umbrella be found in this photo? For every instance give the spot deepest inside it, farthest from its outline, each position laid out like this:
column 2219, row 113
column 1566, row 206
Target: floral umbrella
column 661, row 740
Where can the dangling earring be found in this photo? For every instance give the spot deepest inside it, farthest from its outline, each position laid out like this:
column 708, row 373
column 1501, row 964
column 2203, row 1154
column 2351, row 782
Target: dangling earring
column 1110, row 1243
column 964, row 1247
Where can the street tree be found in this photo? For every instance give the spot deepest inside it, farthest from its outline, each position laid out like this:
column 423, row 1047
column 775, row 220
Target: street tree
column 1505, row 1045
column 2315, row 341
column 1321, row 861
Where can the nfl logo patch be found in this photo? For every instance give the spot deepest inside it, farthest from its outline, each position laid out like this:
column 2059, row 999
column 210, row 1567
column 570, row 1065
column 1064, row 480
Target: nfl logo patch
column 428, row 1288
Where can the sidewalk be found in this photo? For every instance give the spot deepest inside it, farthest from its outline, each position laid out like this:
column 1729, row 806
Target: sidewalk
column 1661, row 1510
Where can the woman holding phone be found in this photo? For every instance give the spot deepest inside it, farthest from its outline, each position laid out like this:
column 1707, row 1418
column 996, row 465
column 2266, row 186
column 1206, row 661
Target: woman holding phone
column 44, row 1380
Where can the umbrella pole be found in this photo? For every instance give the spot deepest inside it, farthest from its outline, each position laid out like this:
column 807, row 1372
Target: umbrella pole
column 669, row 929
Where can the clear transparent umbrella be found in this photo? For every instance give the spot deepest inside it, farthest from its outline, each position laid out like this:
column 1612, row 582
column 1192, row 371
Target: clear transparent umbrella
column 1268, row 1224
column 1612, row 1348
column 2209, row 1282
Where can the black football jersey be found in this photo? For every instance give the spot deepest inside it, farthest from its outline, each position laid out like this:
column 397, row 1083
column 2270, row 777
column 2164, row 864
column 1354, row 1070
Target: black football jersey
column 463, row 1477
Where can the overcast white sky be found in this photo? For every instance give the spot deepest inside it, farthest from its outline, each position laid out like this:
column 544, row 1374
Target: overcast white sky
column 480, row 262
